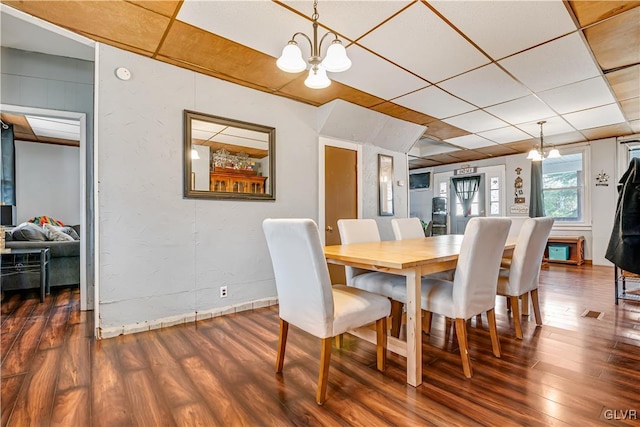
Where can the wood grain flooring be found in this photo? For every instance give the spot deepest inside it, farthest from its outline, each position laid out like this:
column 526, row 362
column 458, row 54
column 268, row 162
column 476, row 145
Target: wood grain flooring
column 572, row 371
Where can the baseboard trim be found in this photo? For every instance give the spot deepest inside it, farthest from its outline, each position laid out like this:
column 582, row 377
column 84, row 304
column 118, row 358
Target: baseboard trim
column 103, row 333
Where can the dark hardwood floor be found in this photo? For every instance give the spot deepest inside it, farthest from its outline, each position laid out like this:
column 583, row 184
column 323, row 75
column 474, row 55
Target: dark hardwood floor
column 572, row 371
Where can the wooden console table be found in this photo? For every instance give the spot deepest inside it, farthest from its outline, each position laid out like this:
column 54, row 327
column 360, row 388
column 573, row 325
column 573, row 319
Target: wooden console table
column 236, row 181
column 576, row 249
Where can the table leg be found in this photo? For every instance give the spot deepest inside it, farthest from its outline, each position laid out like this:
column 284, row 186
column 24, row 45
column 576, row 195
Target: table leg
column 414, row 328
column 43, row 284
column 47, row 270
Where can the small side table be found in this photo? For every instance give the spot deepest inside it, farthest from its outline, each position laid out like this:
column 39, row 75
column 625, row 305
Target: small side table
column 25, row 261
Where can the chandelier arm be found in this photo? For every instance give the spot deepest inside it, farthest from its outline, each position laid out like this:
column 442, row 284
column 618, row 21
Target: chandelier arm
column 335, row 37
column 299, row 33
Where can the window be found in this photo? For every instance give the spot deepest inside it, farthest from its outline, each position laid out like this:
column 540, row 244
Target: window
column 475, row 207
column 634, row 153
column 563, row 187
column 494, row 189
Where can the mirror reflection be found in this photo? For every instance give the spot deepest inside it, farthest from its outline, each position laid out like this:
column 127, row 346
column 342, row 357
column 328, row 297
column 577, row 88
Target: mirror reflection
column 227, row 158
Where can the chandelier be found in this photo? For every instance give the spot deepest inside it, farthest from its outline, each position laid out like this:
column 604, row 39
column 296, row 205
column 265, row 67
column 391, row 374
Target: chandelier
column 335, row 61
column 538, row 154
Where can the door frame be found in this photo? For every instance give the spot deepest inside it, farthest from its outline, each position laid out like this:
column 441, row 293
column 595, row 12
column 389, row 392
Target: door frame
column 324, row 142
column 82, row 118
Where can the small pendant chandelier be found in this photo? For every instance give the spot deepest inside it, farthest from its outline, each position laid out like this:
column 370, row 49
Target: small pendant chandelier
column 335, row 61
column 537, row 155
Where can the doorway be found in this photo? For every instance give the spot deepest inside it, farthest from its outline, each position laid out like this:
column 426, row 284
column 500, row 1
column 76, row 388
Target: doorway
column 466, row 200
column 86, row 297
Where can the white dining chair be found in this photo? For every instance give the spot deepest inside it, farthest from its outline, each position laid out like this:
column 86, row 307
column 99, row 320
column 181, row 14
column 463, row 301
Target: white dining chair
column 407, row 228
column 473, row 290
column 364, row 231
column 307, row 299
column 521, row 278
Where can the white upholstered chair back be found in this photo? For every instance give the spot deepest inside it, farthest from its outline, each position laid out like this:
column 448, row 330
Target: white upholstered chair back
column 476, row 277
column 357, row 231
column 302, row 277
column 527, row 256
column 407, row 228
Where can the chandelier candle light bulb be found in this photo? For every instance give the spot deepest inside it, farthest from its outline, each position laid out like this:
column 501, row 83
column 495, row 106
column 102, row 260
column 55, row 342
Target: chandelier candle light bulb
column 336, row 60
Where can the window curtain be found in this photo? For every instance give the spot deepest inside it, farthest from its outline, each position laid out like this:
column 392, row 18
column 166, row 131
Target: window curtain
column 466, row 189
column 536, row 207
column 8, row 182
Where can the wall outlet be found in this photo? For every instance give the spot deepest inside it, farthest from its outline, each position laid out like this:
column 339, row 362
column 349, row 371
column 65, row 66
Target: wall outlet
column 223, row 292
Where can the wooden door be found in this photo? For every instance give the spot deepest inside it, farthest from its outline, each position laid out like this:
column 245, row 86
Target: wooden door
column 341, row 197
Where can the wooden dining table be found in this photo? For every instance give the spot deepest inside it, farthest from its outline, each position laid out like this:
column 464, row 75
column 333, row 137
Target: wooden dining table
column 412, row 259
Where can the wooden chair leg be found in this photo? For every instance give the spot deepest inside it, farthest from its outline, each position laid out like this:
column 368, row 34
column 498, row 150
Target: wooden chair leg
column 461, row 332
column 515, row 310
column 282, row 344
column 427, row 317
column 536, row 306
column 323, row 376
column 381, row 343
column 338, row 340
column 396, row 318
column 524, row 308
column 508, row 304
column 493, row 331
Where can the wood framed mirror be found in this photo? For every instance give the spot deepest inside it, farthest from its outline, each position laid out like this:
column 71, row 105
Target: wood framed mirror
column 385, row 185
column 228, row 159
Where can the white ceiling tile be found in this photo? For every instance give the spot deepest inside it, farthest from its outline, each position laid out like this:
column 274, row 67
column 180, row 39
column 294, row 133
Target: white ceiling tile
column 504, row 135
column 578, row 96
column 502, row 28
column 596, row 117
column 564, row 138
column 377, row 76
column 485, row 86
column 422, row 43
column 557, row 63
column 434, row 102
column 475, row 121
column 521, row 110
column 339, row 15
column 428, row 147
column 471, row 141
column 261, row 25
column 552, row 126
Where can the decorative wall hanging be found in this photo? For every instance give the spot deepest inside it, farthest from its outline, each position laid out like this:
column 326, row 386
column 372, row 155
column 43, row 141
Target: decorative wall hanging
column 602, row 179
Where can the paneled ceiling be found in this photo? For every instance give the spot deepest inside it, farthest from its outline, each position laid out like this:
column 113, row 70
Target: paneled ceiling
column 478, row 74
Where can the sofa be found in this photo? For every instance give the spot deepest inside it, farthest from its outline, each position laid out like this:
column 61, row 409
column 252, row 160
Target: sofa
column 64, row 266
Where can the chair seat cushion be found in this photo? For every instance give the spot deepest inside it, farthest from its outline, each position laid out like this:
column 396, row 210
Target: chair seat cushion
column 506, row 288
column 436, row 296
column 353, row 307
column 441, row 275
column 378, row 283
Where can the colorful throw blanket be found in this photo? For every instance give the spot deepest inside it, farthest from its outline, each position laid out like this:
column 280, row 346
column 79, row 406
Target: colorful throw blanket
column 41, row 220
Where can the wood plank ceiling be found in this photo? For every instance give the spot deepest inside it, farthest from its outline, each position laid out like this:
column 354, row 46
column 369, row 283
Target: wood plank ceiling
column 479, row 75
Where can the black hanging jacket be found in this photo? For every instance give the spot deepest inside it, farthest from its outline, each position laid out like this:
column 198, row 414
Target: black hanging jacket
column 624, row 245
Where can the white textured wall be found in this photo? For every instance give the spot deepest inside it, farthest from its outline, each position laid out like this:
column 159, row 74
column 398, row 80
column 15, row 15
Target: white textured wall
column 370, row 192
column 162, row 255
column 47, row 182
column 603, row 198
